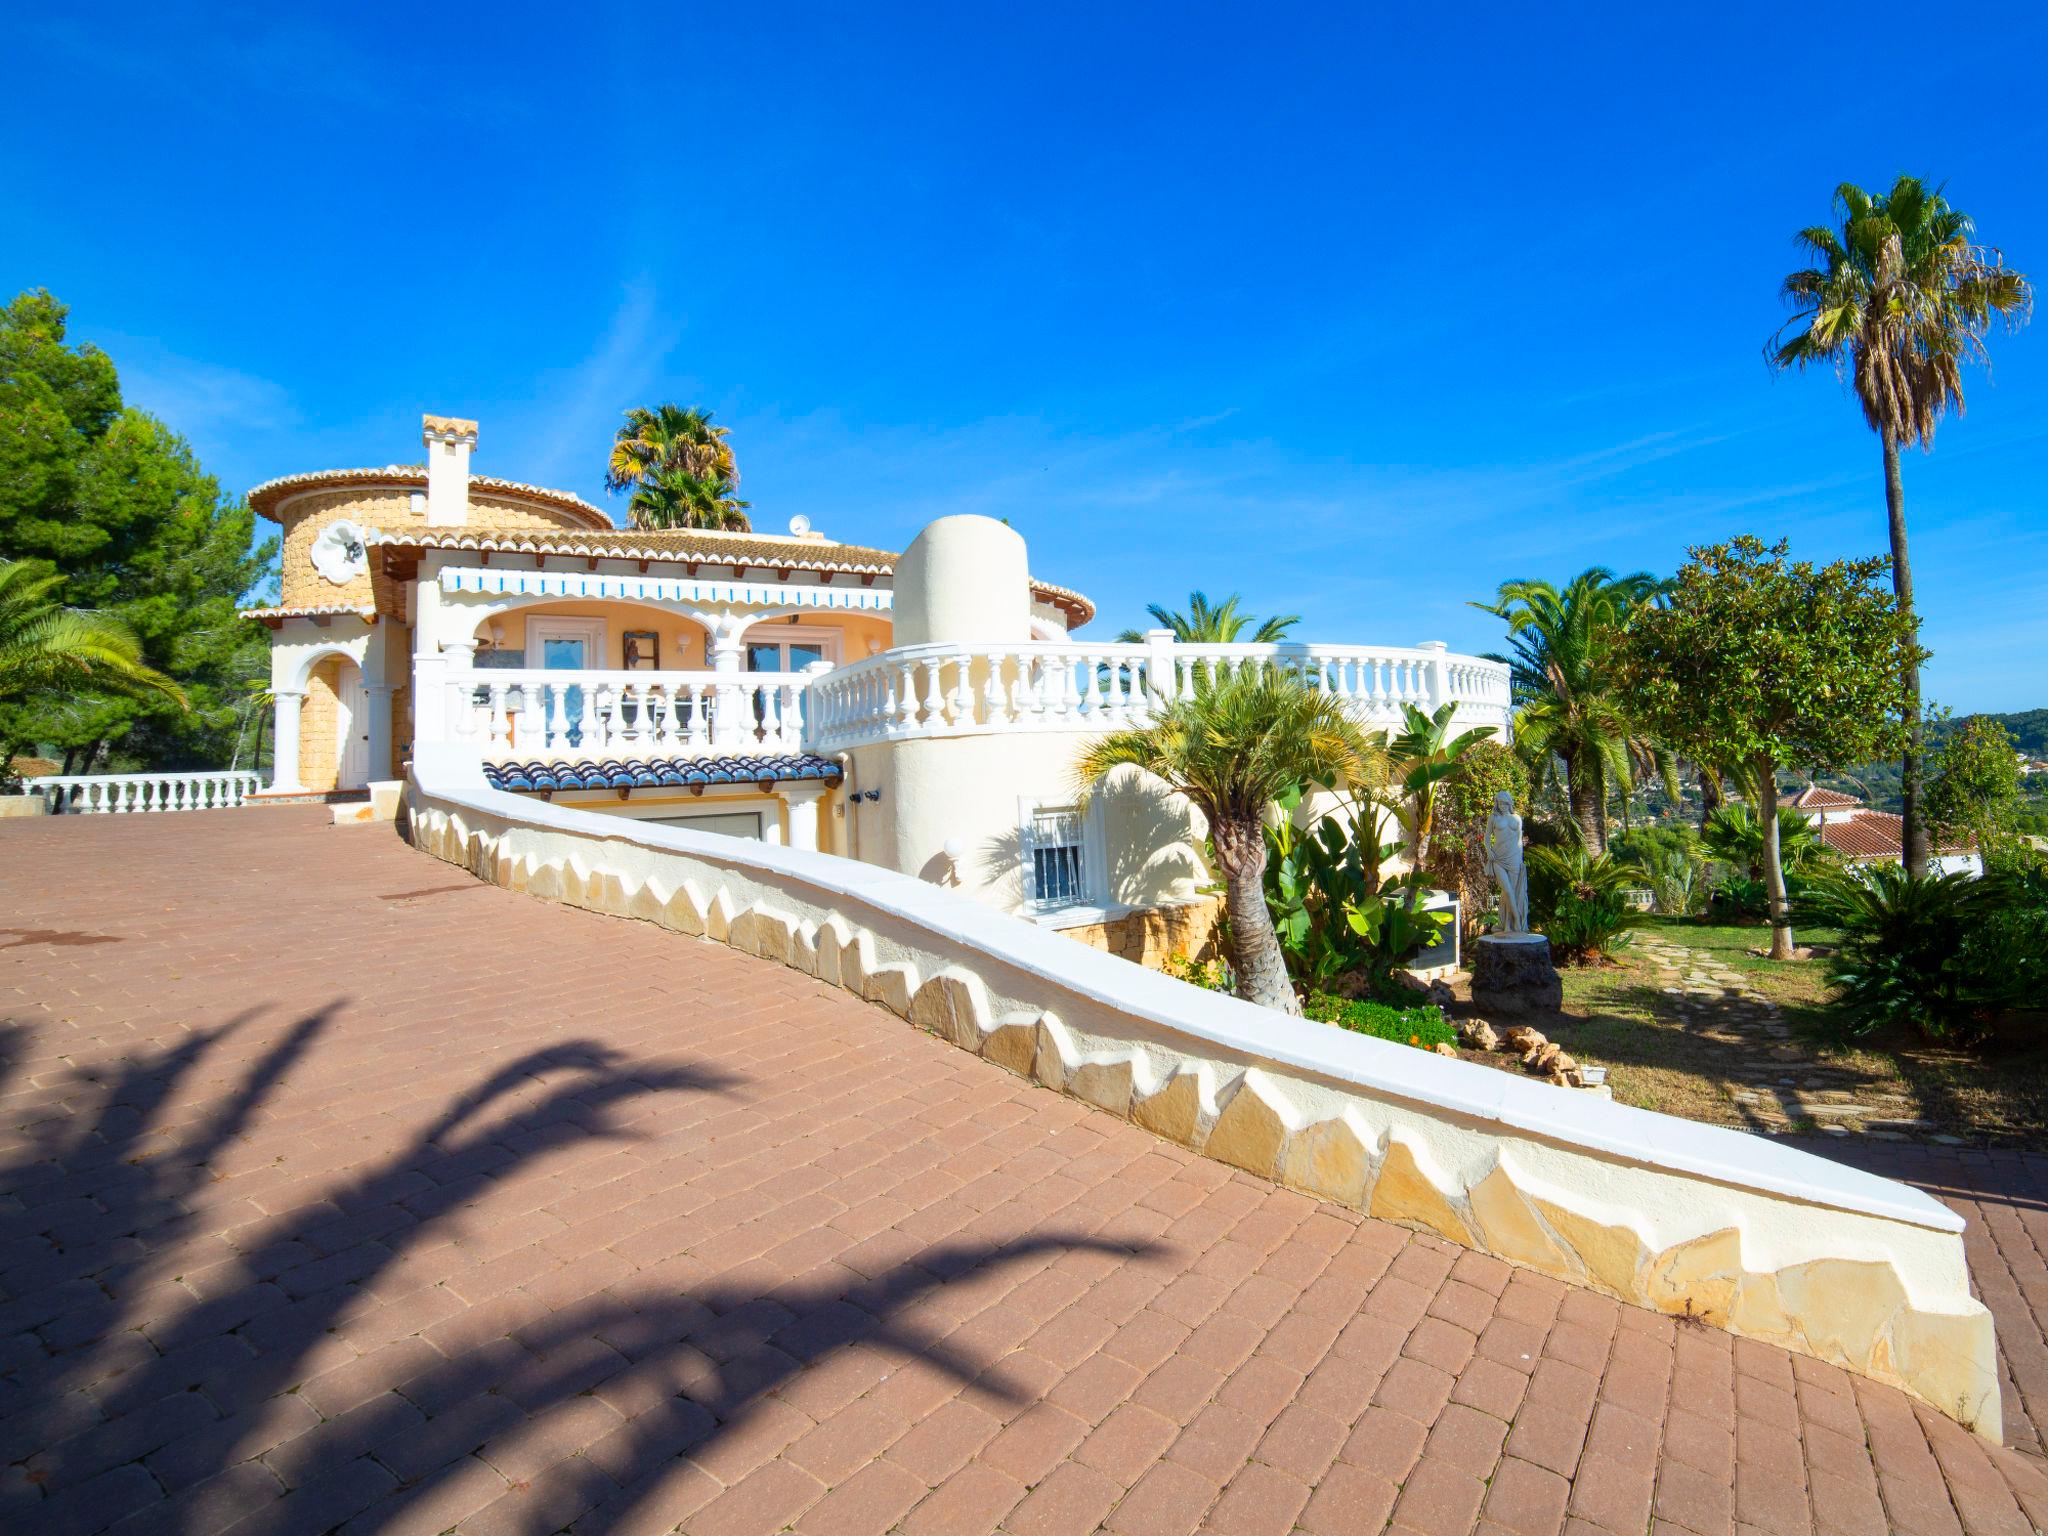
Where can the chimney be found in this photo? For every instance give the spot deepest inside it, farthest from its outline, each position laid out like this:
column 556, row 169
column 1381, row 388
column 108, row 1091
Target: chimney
column 448, row 441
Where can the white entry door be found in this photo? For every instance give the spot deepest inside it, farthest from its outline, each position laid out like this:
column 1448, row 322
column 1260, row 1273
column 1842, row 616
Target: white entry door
column 561, row 645
column 351, row 729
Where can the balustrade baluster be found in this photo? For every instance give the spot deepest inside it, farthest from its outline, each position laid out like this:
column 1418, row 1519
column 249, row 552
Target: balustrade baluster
column 934, row 691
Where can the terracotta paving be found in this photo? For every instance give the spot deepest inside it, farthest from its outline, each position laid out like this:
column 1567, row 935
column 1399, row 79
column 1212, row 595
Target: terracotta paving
column 342, row 1193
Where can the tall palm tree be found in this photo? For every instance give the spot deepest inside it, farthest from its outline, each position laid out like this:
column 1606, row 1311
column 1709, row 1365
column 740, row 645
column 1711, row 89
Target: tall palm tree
column 1207, row 623
column 679, row 467
column 1568, row 705
column 1898, row 300
column 46, row 648
column 1233, row 749
column 675, row 498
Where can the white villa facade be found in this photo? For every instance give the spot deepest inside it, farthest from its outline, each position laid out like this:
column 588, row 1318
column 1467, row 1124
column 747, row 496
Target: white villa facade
column 919, row 711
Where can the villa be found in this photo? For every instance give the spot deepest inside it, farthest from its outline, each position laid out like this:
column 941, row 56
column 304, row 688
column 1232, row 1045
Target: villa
column 1860, row 835
column 920, row 711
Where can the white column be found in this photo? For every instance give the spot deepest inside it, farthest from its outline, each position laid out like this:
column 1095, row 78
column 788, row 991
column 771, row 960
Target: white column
column 377, row 699
column 802, row 800
column 1439, row 674
column 284, row 745
column 1159, row 666
column 734, row 721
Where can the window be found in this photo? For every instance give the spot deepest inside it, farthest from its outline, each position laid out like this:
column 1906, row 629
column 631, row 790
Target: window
column 1055, row 857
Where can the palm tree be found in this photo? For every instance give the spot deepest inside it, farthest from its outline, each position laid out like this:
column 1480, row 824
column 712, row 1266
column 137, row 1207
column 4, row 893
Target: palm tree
column 1424, row 753
column 1206, row 623
column 1568, row 706
column 679, row 467
column 46, row 648
column 1233, row 749
column 675, row 498
column 1899, row 298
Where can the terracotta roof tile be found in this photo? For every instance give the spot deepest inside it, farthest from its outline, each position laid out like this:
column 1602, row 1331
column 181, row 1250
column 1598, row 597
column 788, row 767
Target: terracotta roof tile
column 1814, row 798
column 759, row 551
column 1878, row 835
column 266, row 498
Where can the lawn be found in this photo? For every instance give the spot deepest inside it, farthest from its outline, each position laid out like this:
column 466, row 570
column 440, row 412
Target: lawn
column 1712, row 1054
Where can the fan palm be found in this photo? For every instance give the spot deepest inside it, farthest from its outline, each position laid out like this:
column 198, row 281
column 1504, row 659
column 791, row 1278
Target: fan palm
column 46, row 648
column 1207, row 623
column 675, row 498
column 679, row 467
column 1898, row 300
column 1568, row 706
column 1233, row 749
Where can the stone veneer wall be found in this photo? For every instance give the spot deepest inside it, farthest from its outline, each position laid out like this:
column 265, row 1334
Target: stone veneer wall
column 319, row 766
column 1699, row 1221
column 390, row 509
column 1151, row 936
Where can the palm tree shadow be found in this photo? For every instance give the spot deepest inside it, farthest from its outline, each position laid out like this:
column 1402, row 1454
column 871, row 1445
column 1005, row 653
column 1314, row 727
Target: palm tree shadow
column 100, row 1205
column 704, row 1361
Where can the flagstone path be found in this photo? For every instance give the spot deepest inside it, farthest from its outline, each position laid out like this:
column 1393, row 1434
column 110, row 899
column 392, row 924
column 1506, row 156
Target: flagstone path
column 1780, row 1086
column 339, row 1192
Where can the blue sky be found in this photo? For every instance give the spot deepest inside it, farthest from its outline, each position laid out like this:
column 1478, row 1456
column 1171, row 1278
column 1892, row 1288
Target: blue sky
column 1354, row 311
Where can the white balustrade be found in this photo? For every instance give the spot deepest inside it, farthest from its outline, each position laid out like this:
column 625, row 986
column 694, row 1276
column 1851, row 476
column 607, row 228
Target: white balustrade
column 564, row 715
column 113, row 794
column 931, row 690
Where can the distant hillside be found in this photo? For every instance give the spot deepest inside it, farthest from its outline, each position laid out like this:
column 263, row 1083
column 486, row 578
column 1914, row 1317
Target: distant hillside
column 1879, row 782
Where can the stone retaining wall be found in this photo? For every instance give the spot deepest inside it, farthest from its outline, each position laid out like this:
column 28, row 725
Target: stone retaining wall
column 1732, row 1230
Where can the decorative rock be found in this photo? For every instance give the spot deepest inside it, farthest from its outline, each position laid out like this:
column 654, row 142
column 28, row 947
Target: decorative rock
column 1512, row 974
column 1478, row 1035
column 1444, row 1050
column 1522, row 1039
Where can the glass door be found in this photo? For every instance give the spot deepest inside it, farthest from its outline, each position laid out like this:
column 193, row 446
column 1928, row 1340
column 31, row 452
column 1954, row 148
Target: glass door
column 563, row 645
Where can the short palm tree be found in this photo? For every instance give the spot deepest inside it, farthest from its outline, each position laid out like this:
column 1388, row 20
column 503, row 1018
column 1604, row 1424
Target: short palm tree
column 1899, row 298
column 1568, row 706
column 46, row 648
column 1424, row 752
column 679, row 467
column 1735, row 835
column 1207, row 623
column 1233, row 749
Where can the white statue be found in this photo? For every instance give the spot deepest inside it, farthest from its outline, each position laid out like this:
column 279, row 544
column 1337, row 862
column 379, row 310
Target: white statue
column 1503, row 848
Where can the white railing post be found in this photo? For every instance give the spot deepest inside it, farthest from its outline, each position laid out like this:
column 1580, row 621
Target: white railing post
column 284, row 746
column 1437, row 681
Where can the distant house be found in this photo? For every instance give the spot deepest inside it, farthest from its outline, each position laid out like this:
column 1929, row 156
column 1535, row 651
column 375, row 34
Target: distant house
column 1863, row 836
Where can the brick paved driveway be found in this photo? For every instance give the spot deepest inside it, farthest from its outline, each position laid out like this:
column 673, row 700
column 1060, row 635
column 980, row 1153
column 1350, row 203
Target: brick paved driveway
column 342, row 1192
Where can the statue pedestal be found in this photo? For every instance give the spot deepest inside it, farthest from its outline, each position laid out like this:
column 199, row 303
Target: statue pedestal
column 1512, row 975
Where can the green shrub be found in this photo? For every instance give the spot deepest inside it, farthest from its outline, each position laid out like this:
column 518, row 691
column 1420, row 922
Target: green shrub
column 1424, row 1026
column 1952, row 957
column 1209, row 975
column 1578, row 900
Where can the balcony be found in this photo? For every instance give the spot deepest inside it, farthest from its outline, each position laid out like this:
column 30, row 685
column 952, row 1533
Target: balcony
column 941, row 690
column 929, row 690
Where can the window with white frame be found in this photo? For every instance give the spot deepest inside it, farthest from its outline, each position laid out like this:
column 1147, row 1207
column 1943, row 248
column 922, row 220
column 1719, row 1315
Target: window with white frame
column 1055, row 841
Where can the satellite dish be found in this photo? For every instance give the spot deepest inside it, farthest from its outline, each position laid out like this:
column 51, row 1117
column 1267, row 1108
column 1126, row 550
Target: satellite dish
column 799, row 525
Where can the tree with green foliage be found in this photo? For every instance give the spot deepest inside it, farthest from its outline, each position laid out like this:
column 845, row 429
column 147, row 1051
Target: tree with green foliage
column 1234, row 749
column 680, row 469
column 1974, row 788
column 1899, row 299
column 113, row 503
column 1561, row 673
column 1424, row 754
column 1760, row 660
column 50, row 650
column 1207, row 623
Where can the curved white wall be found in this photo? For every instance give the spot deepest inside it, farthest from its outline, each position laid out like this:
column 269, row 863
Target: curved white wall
column 964, row 579
column 1727, row 1229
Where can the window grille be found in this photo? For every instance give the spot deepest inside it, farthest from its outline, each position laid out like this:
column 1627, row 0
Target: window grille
column 1054, row 844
